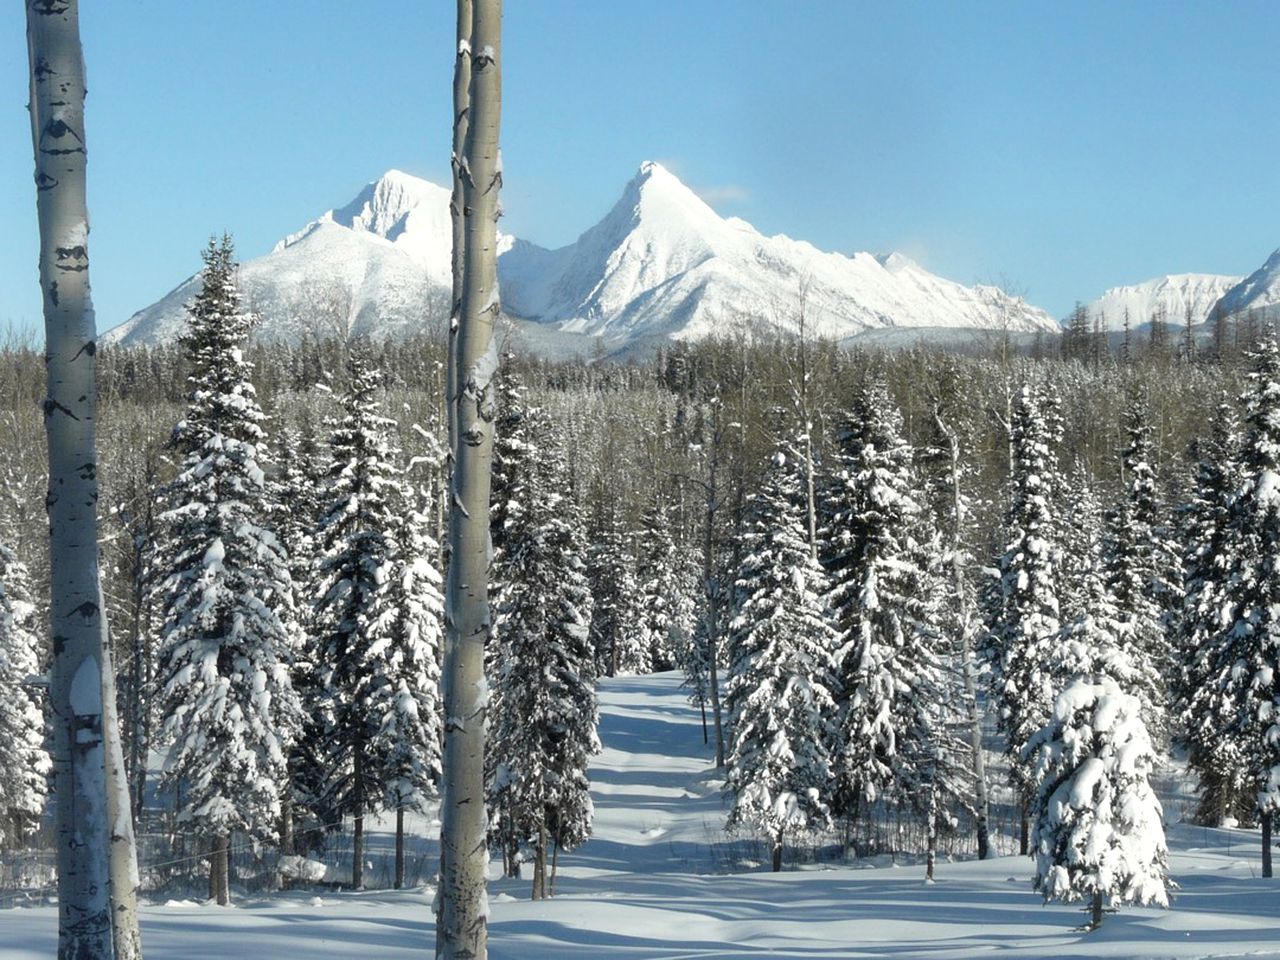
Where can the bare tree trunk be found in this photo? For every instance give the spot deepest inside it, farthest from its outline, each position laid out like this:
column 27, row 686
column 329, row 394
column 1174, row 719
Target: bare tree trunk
column 777, row 853
column 219, row 871
column 457, row 200
column 540, row 864
column 555, row 863
column 1095, row 910
column 123, row 865
column 399, row 881
column 462, row 925
column 982, row 801
column 357, row 832
column 1266, row 844
column 78, row 619
column 711, row 585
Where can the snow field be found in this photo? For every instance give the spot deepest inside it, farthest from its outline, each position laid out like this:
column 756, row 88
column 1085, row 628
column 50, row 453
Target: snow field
column 646, row 888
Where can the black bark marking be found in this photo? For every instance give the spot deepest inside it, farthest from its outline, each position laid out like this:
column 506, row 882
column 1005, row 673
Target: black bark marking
column 59, row 644
column 50, row 8
column 50, row 405
column 88, row 610
column 42, row 71
column 59, row 130
column 53, row 292
column 90, row 347
column 88, row 471
column 73, row 260
column 45, row 182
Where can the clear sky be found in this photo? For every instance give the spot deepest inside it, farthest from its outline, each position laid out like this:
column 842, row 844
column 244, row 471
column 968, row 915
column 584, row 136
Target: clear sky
column 1057, row 148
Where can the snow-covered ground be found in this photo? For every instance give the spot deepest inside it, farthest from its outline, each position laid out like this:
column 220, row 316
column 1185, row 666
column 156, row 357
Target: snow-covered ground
column 651, row 885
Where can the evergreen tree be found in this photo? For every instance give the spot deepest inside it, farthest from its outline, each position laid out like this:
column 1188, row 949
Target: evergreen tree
column 1207, row 567
column 1023, row 614
column 355, row 610
column 616, row 635
column 1098, row 829
column 226, row 598
column 411, row 728
column 659, row 582
column 1242, row 665
column 779, row 689
column 1141, row 566
column 543, row 705
column 888, row 663
column 24, row 761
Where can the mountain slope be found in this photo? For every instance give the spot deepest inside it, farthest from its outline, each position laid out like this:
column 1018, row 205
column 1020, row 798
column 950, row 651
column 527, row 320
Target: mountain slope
column 1167, row 296
column 660, row 264
column 1258, row 291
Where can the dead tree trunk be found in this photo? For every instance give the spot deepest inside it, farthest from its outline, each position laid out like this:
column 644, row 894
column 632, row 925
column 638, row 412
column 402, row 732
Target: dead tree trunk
column 462, row 925
column 88, row 927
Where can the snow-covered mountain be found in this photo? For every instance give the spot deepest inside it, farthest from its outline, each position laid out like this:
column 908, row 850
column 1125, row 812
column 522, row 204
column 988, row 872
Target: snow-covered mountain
column 1258, row 291
column 1167, row 296
column 661, row 264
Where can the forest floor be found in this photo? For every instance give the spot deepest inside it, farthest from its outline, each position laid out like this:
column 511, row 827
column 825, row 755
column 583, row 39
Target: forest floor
column 661, row 881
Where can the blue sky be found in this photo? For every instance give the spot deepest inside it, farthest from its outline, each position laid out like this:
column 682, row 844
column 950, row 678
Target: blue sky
column 1056, row 148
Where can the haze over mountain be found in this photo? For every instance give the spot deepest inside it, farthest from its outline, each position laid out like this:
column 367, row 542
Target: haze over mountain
column 661, row 264
column 1168, row 296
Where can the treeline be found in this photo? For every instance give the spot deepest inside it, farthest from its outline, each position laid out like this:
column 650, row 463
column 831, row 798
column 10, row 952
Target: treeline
column 822, row 540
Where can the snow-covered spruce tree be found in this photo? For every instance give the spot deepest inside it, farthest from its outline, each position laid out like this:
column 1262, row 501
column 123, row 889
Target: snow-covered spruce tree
column 1098, row 828
column 1022, row 614
column 658, row 575
column 411, row 729
column 355, row 610
column 303, row 462
column 543, row 702
column 1141, row 566
column 1203, row 712
column 1243, row 662
column 888, row 661
column 616, row 638
column 228, row 708
column 778, row 692
column 24, row 762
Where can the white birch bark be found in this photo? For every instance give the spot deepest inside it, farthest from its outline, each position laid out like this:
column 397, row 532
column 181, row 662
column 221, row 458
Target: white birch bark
column 462, row 910
column 77, row 615
column 123, row 850
column 461, row 112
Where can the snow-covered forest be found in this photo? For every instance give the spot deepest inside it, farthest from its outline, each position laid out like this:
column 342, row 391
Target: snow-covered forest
column 928, row 606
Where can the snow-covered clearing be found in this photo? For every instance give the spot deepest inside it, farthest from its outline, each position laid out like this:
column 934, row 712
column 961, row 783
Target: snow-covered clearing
column 649, row 885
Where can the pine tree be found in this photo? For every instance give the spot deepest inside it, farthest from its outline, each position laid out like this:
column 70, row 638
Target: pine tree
column 225, row 650
column 411, row 728
column 1242, row 665
column 779, row 689
column 355, row 610
column 1141, row 566
column 887, row 662
column 543, row 702
column 1098, row 828
column 1023, row 614
column 616, row 637
column 24, row 761
column 658, row 577
column 1207, row 567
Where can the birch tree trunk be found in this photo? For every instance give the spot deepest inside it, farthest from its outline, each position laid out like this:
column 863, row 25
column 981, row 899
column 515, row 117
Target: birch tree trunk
column 77, row 615
column 123, row 864
column 461, row 112
column 462, row 922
